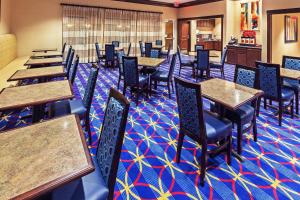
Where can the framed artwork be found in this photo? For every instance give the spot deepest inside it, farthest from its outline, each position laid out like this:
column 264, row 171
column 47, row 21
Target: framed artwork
column 250, row 15
column 244, row 16
column 255, row 15
column 290, row 29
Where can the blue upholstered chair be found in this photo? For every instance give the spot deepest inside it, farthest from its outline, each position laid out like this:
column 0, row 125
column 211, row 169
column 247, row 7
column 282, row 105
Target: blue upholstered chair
column 158, row 42
column 142, row 48
column 244, row 116
column 137, row 83
column 99, row 185
column 116, row 43
column 202, row 63
column 100, row 57
column 164, row 76
column 184, row 63
column 155, row 53
column 63, row 48
column 80, row 107
column 70, row 62
column 120, row 65
column 270, row 83
column 109, row 55
column 166, row 54
column 290, row 62
column 68, row 56
column 129, row 50
column 200, row 125
column 148, row 48
column 199, row 47
column 72, row 73
column 220, row 65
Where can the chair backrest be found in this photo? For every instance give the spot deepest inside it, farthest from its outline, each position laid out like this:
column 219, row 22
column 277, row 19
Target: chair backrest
column 172, row 67
column 158, row 42
column 131, row 75
column 155, row 53
column 121, row 53
column 148, row 47
column 70, row 62
column 291, row 62
column 246, row 76
column 224, row 56
column 73, row 70
column 63, row 48
column 116, row 43
column 202, row 59
column 141, row 47
column 179, row 54
column 109, row 52
column 129, row 49
column 68, row 54
column 111, row 138
column 90, row 87
column 98, row 53
column 199, row 47
column 269, row 79
column 168, row 53
column 190, row 108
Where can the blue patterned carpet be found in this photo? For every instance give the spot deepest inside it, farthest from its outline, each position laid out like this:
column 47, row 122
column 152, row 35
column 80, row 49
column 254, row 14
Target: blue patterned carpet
column 147, row 169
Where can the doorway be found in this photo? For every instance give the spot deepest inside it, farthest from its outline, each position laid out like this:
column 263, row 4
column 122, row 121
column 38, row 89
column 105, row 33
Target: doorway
column 169, row 34
column 184, row 35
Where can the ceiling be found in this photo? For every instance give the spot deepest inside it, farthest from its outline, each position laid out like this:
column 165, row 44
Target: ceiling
column 171, row 3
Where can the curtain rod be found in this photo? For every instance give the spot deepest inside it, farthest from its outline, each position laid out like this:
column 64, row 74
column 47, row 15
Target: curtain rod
column 87, row 6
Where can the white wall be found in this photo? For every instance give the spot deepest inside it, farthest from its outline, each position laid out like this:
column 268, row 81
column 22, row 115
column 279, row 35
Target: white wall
column 5, row 17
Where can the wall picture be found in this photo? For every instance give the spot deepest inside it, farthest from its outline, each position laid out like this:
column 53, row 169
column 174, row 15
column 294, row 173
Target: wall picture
column 244, row 16
column 250, row 15
column 291, row 28
column 255, row 15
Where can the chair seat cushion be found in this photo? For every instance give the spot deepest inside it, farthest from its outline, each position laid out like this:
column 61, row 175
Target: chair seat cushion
column 77, row 107
column 287, row 93
column 160, row 75
column 216, row 129
column 143, row 79
column 65, row 107
column 91, row 186
column 244, row 114
column 215, row 65
column 294, row 84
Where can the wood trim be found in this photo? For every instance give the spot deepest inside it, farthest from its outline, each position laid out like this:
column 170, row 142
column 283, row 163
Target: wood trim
column 197, row 2
column 54, row 75
column 201, row 17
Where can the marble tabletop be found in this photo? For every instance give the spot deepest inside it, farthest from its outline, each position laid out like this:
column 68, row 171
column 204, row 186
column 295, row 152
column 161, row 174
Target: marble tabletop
column 44, row 61
column 44, row 49
column 46, row 54
column 38, row 158
column 229, row 94
column 157, row 46
column 290, row 73
column 44, row 72
column 150, row 62
column 211, row 54
column 35, row 94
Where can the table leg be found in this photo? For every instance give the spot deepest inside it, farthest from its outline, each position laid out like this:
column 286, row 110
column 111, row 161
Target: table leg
column 38, row 113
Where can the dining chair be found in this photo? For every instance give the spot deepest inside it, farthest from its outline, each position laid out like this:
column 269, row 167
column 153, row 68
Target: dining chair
column 244, row 116
column 137, row 82
column 270, row 84
column 109, row 55
column 129, row 49
column 70, row 62
column 116, row 43
column 98, row 53
column 142, row 49
column 202, row 63
column 291, row 62
column 200, row 125
column 183, row 64
column 166, row 54
column 158, row 42
column 68, row 56
column 148, row 48
column 155, row 53
column 63, row 48
column 100, row 184
column 80, row 107
column 164, row 76
column 220, row 65
column 120, row 65
column 72, row 74
column 199, row 47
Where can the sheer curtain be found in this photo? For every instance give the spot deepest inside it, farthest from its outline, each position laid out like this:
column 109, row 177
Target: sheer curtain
column 83, row 26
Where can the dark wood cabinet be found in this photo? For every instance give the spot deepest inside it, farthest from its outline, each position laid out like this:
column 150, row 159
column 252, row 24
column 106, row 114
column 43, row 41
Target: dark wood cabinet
column 243, row 55
column 210, row 45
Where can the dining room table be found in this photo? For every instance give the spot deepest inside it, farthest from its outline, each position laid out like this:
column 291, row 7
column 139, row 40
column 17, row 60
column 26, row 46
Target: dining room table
column 211, row 54
column 44, row 49
column 35, row 95
column 44, row 62
column 150, row 62
column 36, row 159
column 228, row 95
column 41, row 74
column 289, row 73
column 47, row 54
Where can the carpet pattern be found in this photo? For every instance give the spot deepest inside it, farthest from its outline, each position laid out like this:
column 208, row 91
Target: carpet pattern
column 148, row 170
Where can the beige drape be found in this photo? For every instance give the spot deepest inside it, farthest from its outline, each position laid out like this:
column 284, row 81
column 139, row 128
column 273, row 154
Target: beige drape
column 83, row 26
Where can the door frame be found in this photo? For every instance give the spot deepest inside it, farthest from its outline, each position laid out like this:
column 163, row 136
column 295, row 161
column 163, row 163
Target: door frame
column 270, row 14
column 174, row 31
column 202, row 17
column 178, row 33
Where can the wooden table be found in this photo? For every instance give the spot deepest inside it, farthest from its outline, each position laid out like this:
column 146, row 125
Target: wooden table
column 116, row 49
column 157, row 46
column 36, row 95
column 44, row 62
column 36, row 159
column 228, row 94
column 150, row 62
column 211, row 54
column 40, row 73
column 290, row 73
column 44, row 50
column 47, row 54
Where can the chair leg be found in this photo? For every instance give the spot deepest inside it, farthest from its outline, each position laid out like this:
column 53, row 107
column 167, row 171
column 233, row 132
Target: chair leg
column 124, row 90
column 239, row 138
column 265, row 103
column 179, row 70
column 203, row 164
column 150, row 88
column 297, row 102
column 229, row 149
column 88, row 127
column 258, row 107
column 254, row 128
column 292, row 109
column 137, row 97
column 280, row 112
column 222, row 73
column 119, row 82
column 179, row 147
column 172, row 86
column 169, row 90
